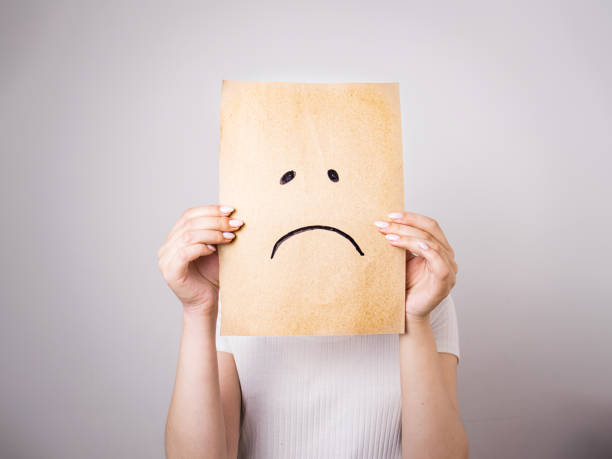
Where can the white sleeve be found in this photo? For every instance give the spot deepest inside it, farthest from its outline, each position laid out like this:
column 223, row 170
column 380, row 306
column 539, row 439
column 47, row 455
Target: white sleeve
column 443, row 321
column 223, row 342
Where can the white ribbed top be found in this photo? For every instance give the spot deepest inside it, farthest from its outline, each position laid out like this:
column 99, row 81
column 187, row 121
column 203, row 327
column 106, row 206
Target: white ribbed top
column 325, row 396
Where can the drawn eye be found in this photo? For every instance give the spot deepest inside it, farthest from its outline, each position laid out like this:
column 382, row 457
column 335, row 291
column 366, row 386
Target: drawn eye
column 333, row 175
column 287, row 177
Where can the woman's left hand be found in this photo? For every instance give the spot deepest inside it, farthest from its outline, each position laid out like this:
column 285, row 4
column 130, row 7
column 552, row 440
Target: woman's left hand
column 430, row 260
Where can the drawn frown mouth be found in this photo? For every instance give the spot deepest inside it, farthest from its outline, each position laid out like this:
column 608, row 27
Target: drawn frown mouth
column 315, row 227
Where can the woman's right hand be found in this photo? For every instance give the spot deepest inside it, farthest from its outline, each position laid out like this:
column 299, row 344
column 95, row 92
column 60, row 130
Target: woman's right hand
column 188, row 259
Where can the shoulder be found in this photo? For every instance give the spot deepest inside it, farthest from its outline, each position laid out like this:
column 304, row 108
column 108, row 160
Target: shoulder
column 444, row 323
column 223, row 342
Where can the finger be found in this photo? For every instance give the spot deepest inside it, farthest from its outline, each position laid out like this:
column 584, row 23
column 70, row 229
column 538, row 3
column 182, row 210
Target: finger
column 199, row 236
column 214, row 223
column 433, row 253
column 422, row 222
column 443, row 250
column 176, row 266
column 196, row 236
column 200, row 211
column 184, row 250
column 407, row 230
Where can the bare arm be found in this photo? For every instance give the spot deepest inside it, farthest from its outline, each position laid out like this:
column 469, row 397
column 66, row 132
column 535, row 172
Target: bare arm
column 195, row 426
column 231, row 398
column 204, row 412
column 431, row 425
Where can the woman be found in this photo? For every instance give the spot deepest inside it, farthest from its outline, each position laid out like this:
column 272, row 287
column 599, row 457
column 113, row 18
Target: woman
column 365, row 396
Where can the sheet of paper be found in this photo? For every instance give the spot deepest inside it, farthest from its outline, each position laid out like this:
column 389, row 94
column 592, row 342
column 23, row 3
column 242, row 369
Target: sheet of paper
column 309, row 168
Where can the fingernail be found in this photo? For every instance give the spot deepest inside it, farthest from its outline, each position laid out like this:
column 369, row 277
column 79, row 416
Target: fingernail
column 211, row 247
column 226, row 209
column 392, row 237
column 423, row 245
column 228, row 235
column 395, row 215
column 381, row 224
column 415, row 254
column 235, row 223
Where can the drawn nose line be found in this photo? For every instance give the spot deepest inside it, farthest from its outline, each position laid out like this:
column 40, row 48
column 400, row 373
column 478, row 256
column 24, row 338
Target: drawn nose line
column 314, row 227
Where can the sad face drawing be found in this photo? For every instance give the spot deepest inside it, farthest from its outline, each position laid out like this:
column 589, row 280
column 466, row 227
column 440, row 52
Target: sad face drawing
column 310, row 167
column 333, row 176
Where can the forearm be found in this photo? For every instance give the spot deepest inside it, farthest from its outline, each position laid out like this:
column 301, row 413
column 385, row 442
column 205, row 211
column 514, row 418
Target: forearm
column 431, row 425
column 195, row 426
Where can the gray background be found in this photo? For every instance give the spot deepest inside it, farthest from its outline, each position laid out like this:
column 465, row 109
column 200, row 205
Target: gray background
column 109, row 130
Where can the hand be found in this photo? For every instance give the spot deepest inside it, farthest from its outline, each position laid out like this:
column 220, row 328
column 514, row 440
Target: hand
column 430, row 260
column 188, row 259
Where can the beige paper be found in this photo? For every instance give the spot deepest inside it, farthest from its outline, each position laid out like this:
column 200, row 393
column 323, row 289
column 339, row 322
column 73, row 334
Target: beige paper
column 309, row 259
